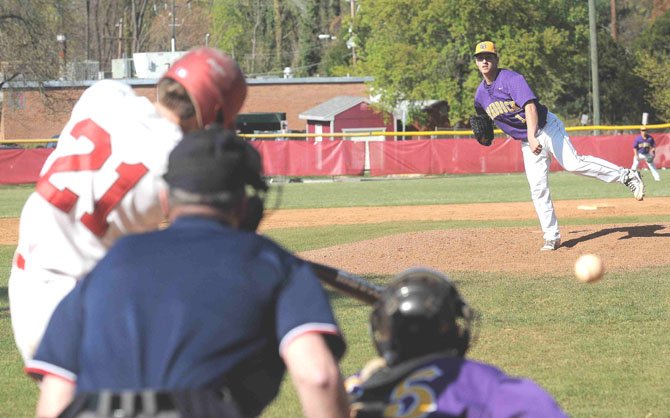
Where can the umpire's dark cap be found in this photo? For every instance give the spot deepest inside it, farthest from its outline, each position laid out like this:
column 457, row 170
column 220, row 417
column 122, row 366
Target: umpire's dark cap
column 214, row 160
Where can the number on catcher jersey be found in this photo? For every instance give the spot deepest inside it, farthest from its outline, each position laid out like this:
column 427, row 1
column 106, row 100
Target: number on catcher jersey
column 414, row 397
column 128, row 175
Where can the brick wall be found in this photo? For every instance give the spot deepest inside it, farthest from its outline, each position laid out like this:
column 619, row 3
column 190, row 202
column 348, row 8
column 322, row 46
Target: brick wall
column 28, row 113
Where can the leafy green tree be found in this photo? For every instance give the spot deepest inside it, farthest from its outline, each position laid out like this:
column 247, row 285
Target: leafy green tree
column 266, row 36
column 422, row 49
column 29, row 49
column 621, row 89
column 243, row 28
column 310, row 49
column 653, row 62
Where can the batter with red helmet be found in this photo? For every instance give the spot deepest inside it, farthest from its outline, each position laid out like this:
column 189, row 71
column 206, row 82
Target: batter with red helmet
column 102, row 180
column 200, row 319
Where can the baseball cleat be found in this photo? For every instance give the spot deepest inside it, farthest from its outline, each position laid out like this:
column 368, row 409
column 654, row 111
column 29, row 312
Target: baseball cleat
column 633, row 180
column 551, row 244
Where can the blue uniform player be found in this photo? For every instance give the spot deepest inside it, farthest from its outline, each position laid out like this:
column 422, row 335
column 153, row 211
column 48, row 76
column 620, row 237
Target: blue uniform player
column 644, row 149
column 421, row 329
column 505, row 96
column 200, row 319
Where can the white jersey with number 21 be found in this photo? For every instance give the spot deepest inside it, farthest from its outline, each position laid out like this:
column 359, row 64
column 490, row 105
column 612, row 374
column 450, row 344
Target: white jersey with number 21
column 100, row 183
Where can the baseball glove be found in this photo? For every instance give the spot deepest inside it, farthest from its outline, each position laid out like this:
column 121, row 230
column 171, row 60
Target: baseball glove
column 482, row 126
column 645, row 157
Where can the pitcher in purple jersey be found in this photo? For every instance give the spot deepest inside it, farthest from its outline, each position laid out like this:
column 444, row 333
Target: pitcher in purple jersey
column 506, row 97
column 421, row 328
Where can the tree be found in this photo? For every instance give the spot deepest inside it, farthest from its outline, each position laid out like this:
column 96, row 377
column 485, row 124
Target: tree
column 192, row 24
column 422, row 49
column 266, row 36
column 621, row 89
column 240, row 28
column 28, row 43
column 653, row 61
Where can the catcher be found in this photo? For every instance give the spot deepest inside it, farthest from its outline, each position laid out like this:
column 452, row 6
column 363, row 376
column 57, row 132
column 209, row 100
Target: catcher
column 421, row 330
column 644, row 149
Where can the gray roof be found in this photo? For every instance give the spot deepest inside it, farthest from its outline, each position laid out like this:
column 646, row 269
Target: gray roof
column 327, row 111
column 151, row 82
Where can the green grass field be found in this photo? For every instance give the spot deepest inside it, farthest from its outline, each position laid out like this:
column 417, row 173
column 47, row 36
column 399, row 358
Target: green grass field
column 601, row 350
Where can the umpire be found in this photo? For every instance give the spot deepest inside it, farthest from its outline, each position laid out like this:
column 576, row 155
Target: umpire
column 200, row 319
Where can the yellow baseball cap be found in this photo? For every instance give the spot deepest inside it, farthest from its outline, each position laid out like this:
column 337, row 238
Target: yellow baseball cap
column 643, row 128
column 486, row 47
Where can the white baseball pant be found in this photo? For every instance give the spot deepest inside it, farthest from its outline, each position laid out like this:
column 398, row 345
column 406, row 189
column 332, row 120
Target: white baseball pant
column 650, row 164
column 33, row 296
column 555, row 141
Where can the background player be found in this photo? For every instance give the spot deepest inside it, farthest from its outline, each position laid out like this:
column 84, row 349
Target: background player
column 196, row 307
column 421, row 328
column 102, row 180
column 507, row 99
column 644, row 149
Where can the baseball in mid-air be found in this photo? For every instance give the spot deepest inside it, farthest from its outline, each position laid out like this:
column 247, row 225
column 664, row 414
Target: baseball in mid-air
column 589, row 268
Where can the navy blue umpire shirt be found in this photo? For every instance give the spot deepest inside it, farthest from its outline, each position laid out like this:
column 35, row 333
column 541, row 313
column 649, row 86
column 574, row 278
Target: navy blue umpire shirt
column 199, row 304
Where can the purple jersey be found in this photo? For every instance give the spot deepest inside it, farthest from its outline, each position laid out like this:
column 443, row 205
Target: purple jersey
column 451, row 387
column 504, row 101
column 644, row 145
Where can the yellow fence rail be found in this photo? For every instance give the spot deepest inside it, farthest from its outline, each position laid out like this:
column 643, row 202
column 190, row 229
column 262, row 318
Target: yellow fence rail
column 466, row 133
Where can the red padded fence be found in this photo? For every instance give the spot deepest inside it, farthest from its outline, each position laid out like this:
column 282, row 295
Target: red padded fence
column 19, row 166
column 310, row 158
column 352, row 158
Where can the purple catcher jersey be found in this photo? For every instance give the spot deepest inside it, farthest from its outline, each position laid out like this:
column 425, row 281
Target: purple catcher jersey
column 451, row 387
column 504, row 101
column 644, row 145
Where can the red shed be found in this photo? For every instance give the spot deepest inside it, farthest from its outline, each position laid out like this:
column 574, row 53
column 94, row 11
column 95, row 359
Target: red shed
column 347, row 114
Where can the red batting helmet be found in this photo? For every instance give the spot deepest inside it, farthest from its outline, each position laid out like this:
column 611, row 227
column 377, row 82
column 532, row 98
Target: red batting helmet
column 214, row 82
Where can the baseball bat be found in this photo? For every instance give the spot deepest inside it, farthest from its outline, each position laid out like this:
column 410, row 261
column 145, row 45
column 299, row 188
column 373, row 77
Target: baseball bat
column 347, row 283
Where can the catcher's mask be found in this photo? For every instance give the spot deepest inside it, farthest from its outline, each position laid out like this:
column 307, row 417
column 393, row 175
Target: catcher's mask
column 420, row 313
column 215, row 167
column 215, row 84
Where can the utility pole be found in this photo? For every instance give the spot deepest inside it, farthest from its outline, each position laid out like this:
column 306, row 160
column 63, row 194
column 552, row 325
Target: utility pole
column 62, row 55
column 120, row 48
column 352, row 43
column 174, row 34
column 62, row 45
column 88, row 39
column 613, row 23
column 594, row 62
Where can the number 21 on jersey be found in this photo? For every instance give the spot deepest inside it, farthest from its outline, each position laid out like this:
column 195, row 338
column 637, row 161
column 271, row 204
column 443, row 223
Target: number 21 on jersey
column 128, row 175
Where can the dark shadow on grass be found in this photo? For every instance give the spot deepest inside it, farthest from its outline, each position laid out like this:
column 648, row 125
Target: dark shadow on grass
column 638, row 231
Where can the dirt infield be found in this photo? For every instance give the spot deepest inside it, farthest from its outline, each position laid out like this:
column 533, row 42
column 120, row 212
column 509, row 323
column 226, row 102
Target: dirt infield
column 622, row 246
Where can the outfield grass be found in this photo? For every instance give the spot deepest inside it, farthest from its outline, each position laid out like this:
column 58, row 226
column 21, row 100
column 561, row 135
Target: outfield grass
column 421, row 191
column 601, row 350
